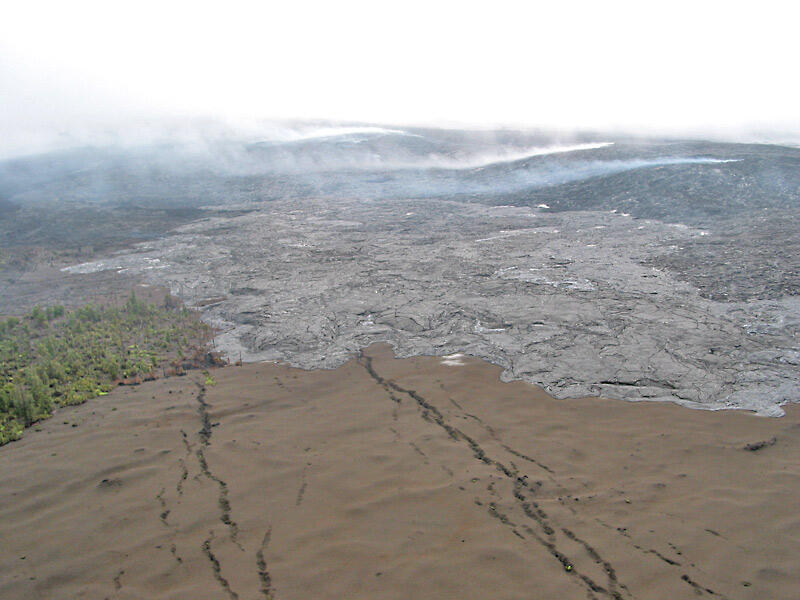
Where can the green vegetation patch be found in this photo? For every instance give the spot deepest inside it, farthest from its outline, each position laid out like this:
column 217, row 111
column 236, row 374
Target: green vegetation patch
column 57, row 357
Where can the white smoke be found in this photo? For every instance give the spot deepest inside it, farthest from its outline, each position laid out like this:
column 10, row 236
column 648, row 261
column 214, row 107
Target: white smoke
column 503, row 155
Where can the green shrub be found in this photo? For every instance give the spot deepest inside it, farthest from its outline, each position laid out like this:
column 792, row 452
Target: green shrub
column 55, row 357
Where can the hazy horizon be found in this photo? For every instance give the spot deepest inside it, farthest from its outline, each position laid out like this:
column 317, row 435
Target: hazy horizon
column 139, row 132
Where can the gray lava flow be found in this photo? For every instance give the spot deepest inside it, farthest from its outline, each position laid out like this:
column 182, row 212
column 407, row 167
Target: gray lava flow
column 566, row 300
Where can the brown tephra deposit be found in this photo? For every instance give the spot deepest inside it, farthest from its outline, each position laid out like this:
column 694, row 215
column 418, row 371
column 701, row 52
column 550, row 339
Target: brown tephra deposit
column 396, row 479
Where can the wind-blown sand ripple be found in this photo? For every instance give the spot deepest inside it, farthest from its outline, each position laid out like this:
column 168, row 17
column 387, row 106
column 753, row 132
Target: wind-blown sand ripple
column 393, row 478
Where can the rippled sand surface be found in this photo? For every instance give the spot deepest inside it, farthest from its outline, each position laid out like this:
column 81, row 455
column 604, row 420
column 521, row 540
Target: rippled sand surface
column 386, row 478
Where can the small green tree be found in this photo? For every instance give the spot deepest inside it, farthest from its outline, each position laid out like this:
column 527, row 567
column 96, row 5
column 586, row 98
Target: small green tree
column 22, row 406
column 39, row 316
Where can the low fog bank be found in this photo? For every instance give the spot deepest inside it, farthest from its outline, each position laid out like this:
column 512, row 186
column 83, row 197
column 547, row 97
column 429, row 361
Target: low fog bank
column 193, row 163
column 195, row 135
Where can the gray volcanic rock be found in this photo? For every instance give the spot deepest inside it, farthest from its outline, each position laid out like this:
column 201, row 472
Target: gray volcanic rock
column 572, row 301
column 755, row 258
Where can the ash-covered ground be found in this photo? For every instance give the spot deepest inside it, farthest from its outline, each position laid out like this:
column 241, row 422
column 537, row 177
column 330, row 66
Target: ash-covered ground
column 632, row 269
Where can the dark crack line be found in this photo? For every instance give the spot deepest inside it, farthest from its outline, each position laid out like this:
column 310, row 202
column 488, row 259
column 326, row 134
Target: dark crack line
column 205, row 432
column 587, row 581
column 215, row 566
column 173, row 549
column 186, row 443
column 184, row 476
column 611, row 573
column 699, row 589
column 432, row 414
column 418, row 451
column 510, row 450
column 301, row 491
column 205, row 438
column 261, row 563
column 164, row 510
column 622, row 531
column 454, row 403
column 488, row 428
column 658, row 554
column 182, row 462
column 529, row 507
column 222, row 500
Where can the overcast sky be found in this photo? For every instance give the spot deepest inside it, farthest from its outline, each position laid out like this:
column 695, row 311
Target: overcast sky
column 71, row 68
